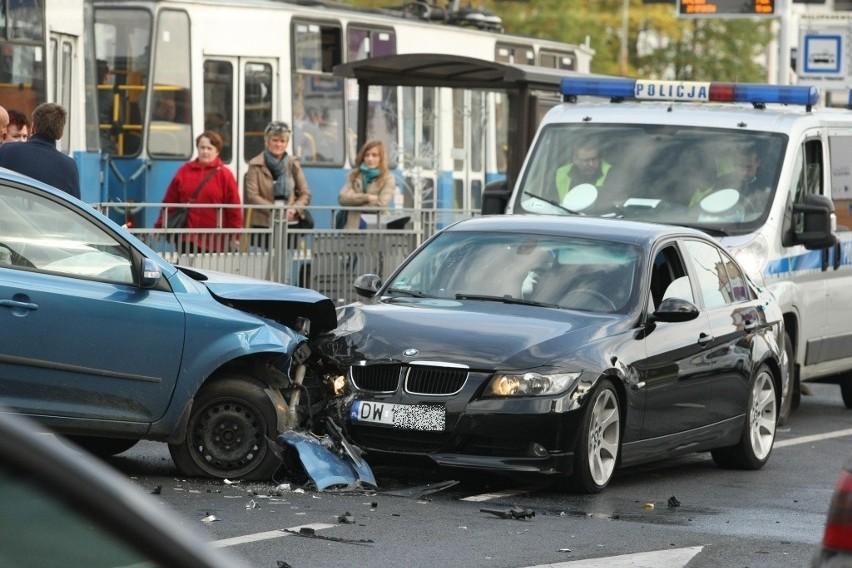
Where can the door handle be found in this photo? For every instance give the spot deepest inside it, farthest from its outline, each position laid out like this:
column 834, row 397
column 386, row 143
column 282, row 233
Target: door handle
column 705, row 339
column 17, row 304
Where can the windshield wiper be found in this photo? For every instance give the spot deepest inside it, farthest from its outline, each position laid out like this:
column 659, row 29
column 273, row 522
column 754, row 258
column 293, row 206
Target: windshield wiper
column 504, row 299
column 404, row 292
column 550, row 202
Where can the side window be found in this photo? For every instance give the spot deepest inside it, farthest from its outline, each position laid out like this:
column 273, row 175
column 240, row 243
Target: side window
column 170, row 131
column 809, row 163
column 839, row 149
column 668, row 277
column 317, row 94
column 712, row 275
column 258, row 94
column 42, row 235
column 218, row 103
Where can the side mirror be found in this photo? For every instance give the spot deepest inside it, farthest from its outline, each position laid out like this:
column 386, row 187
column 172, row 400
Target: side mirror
column 151, row 274
column 367, row 285
column 495, row 196
column 676, row 310
column 814, row 222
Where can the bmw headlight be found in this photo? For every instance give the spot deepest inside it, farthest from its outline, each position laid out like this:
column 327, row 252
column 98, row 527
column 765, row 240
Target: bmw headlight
column 530, row 383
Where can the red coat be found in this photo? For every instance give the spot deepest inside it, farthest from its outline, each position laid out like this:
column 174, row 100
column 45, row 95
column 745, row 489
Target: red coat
column 220, row 188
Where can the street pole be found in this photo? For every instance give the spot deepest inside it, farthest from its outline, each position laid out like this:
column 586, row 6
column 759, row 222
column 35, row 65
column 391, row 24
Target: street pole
column 622, row 60
column 784, row 8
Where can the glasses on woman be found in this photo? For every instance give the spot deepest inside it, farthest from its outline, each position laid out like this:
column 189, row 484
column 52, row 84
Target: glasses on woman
column 277, row 128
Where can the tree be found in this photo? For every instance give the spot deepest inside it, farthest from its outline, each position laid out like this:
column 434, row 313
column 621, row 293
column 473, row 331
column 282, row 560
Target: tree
column 660, row 45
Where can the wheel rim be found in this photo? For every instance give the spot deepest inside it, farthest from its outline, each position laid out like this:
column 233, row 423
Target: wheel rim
column 762, row 415
column 603, row 437
column 228, row 438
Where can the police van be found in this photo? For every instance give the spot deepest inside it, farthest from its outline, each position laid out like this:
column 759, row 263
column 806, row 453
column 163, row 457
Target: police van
column 762, row 168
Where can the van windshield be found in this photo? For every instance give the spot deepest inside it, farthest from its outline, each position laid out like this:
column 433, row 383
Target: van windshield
column 718, row 179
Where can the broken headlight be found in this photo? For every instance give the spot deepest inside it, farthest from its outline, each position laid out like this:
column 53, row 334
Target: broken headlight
column 530, row 383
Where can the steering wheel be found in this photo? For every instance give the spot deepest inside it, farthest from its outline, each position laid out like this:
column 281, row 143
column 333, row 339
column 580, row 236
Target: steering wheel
column 589, row 299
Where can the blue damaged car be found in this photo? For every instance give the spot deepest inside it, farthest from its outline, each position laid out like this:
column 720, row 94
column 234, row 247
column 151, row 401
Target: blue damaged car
column 107, row 343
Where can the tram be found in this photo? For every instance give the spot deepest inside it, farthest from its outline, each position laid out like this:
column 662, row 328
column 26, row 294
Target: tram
column 142, row 78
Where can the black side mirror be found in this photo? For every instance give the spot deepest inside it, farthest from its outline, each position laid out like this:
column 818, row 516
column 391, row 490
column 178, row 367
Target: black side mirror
column 675, row 310
column 495, row 196
column 814, row 222
column 367, row 285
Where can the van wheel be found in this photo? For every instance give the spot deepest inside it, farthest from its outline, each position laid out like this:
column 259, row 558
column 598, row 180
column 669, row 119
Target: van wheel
column 758, row 436
column 598, row 445
column 226, row 437
column 791, row 385
column 846, row 390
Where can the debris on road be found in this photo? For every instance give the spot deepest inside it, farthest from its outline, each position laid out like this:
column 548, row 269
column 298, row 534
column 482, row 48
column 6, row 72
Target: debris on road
column 673, row 502
column 311, row 533
column 513, row 513
column 421, row 491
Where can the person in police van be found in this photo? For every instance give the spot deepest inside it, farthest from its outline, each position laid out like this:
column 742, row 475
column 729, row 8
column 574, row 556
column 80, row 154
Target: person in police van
column 586, row 166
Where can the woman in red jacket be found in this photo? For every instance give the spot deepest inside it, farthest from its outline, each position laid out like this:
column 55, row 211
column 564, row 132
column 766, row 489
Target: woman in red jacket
column 208, row 178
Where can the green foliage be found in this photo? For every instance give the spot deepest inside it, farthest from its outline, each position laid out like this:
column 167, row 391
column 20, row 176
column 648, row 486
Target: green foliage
column 659, row 44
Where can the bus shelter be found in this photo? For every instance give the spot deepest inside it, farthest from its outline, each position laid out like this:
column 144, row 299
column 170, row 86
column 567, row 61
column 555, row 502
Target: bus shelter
column 530, row 92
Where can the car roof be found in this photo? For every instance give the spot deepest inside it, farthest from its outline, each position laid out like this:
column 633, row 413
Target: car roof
column 614, row 230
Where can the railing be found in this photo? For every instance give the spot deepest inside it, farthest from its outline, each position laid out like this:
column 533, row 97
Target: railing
column 325, row 260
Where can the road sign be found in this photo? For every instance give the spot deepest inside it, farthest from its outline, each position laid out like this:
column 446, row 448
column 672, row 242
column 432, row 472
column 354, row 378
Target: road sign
column 823, row 58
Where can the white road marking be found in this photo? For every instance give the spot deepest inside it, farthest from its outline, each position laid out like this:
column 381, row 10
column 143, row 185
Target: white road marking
column 675, row 558
column 499, row 495
column 814, row 438
column 266, row 535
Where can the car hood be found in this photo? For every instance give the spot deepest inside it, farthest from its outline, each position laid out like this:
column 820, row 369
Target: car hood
column 278, row 302
column 481, row 335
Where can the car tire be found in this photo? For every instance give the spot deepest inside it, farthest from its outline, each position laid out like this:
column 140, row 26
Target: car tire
column 599, row 443
column 790, row 389
column 761, row 419
column 846, row 389
column 226, row 438
column 103, row 447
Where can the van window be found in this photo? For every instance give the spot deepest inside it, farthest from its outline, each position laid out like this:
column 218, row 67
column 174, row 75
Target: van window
column 707, row 177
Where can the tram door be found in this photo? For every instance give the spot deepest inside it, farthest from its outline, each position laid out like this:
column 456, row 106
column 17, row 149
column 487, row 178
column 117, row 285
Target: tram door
column 63, row 53
column 419, row 160
column 468, row 149
column 239, row 101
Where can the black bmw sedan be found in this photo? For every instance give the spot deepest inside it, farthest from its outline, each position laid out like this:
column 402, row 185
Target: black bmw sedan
column 562, row 346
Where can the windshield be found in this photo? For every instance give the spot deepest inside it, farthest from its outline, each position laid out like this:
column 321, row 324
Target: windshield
column 716, row 179
column 554, row 271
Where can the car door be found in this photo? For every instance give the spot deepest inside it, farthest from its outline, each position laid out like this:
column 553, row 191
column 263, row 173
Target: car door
column 675, row 377
column 735, row 317
column 80, row 339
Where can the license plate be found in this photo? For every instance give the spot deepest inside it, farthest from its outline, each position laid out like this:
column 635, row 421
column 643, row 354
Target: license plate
column 426, row 417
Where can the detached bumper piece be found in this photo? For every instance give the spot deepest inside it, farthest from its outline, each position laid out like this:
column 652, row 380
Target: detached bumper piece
column 327, row 468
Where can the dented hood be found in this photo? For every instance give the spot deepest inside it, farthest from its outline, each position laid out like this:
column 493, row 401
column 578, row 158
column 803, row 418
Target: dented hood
column 481, row 335
column 278, row 302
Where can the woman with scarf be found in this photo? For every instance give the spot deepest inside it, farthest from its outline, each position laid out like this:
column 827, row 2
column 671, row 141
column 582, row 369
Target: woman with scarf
column 370, row 183
column 275, row 178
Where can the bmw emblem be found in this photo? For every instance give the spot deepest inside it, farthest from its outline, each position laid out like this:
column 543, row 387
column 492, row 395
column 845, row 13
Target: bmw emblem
column 411, row 352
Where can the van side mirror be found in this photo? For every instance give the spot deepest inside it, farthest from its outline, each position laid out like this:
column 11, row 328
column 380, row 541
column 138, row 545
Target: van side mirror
column 814, row 222
column 495, row 196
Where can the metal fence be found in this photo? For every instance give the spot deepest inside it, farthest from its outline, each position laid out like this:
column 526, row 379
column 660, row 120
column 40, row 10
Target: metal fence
column 325, row 260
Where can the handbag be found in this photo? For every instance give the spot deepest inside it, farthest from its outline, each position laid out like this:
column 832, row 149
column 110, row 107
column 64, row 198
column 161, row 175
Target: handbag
column 306, row 221
column 340, row 219
column 176, row 216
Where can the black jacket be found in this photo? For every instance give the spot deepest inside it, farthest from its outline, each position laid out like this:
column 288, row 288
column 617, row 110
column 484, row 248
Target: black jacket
column 39, row 158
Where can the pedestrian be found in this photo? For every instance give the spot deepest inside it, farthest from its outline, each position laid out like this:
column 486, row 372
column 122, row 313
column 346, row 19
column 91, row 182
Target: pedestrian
column 275, row 178
column 4, row 123
column 205, row 180
column 19, row 127
column 370, row 183
column 39, row 157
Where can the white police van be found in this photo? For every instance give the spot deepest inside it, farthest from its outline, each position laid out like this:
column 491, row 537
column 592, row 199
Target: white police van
column 758, row 166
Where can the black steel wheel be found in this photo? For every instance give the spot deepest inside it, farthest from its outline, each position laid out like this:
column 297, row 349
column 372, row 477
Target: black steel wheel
column 226, row 438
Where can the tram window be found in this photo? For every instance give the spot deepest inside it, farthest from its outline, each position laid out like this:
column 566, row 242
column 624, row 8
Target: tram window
column 318, row 121
column 218, row 103
column 257, row 96
column 512, row 53
column 365, row 42
column 25, row 20
column 170, row 130
column 122, row 44
column 558, row 60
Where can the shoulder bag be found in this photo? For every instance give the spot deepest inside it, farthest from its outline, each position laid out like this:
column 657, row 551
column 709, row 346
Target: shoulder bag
column 176, row 219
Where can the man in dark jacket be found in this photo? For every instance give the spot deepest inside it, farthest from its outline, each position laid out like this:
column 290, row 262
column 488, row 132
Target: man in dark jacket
column 38, row 157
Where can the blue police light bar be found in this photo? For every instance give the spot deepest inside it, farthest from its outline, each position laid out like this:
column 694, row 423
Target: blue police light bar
column 690, row 91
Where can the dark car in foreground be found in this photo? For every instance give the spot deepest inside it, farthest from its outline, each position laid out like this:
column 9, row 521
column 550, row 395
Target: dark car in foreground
column 836, row 549
column 61, row 507
column 106, row 342
column 562, row 346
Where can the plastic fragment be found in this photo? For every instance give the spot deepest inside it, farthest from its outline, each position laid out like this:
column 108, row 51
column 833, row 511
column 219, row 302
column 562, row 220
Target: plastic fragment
column 346, row 518
column 513, row 513
column 673, row 502
column 252, row 505
column 209, row 519
column 649, row 505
